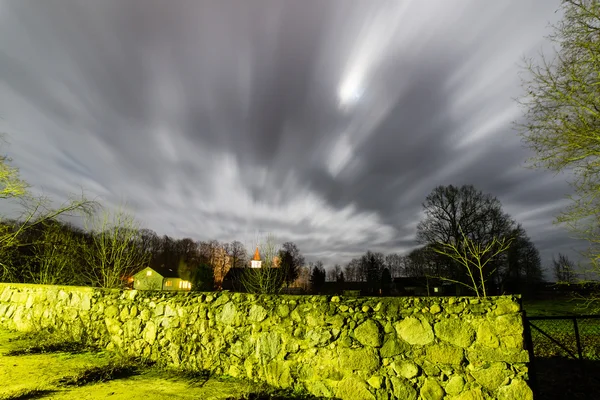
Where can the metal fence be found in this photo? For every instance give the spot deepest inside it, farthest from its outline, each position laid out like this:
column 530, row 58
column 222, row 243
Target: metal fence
column 576, row 337
column 564, row 355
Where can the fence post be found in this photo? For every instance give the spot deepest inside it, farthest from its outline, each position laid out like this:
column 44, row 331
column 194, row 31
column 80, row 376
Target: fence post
column 529, row 344
column 578, row 340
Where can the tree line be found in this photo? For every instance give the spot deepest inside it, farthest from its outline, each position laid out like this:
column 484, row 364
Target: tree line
column 465, row 238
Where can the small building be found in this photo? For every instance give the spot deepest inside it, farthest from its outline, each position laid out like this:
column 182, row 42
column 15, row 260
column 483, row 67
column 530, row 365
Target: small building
column 160, row 279
column 256, row 262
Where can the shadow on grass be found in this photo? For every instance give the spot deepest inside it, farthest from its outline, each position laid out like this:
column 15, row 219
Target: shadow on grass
column 51, row 347
column 271, row 393
column 47, row 341
column 28, row 394
column 279, row 396
column 115, row 369
column 563, row 378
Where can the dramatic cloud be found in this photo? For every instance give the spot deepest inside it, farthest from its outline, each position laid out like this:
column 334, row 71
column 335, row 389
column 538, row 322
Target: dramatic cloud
column 324, row 123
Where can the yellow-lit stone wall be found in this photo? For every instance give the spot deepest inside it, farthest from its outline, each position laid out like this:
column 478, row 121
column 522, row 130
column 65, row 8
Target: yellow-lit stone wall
column 453, row 348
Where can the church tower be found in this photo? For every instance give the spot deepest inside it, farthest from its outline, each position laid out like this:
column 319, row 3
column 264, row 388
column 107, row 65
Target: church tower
column 256, row 259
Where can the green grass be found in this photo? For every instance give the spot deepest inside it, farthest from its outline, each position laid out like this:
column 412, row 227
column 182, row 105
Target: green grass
column 563, row 330
column 555, row 307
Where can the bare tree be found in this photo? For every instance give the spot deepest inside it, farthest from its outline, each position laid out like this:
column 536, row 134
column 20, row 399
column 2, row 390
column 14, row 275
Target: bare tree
column 54, row 256
column 351, row 270
column 114, row 253
column 453, row 213
column 474, row 257
column 237, row 253
column 337, row 270
column 37, row 211
column 396, row 264
column 269, row 278
column 564, row 269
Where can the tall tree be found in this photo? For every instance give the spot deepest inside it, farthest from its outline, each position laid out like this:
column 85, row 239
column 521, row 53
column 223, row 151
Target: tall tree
column 334, row 273
column 290, row 262
column 372, row 265
column 237, row 253
column 461, row 216
column 54, row 255
column 317, row 277
column 386, row 282
column 564, row 269
column 114, row 253
column 523, row 266
column 396, row 264
column 351, row 270
column 562, row 116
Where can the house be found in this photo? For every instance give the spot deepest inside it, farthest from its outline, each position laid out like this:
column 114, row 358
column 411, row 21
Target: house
column 159, row 279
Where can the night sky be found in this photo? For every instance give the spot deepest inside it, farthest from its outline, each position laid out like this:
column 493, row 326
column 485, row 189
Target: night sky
column 325, row 123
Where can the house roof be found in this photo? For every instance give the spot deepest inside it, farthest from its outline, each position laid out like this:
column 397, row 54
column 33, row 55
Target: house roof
column 167, row 272
column 164, row 272
column 256, row 255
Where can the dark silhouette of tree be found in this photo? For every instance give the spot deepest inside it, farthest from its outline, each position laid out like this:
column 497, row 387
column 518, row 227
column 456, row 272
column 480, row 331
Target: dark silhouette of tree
column 450, row 213
column 238, row 254
column 290, row 262
column 351, row 270
column 424, row 261
column 317, row 277
column 564, row 269
column 522, row 268
column 396, row 264
column 340, row 278
column 386, row 282
column 202, row 278
column 371, row 265
column 335, row 272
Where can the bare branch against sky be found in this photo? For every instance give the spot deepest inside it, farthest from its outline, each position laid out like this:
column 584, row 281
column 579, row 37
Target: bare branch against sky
column 326, row 123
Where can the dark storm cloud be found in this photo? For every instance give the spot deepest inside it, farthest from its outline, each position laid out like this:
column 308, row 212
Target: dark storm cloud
column 325, row 123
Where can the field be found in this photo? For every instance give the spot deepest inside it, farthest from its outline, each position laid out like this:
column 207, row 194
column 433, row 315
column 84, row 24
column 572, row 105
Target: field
column 555, row 307
column 559, row 375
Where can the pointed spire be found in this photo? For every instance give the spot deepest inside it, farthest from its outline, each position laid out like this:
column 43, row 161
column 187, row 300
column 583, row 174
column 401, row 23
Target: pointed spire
column 256, row 255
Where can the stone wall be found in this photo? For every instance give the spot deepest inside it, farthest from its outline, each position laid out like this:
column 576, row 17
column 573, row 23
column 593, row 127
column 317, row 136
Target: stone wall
column 350, row 348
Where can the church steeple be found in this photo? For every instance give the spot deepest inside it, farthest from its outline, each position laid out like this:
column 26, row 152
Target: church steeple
column 256, row 263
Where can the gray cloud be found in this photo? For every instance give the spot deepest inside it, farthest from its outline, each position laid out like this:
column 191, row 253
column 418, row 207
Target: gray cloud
column 324, row 123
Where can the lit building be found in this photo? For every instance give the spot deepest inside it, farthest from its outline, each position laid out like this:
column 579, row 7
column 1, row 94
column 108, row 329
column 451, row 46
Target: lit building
column 256, row 262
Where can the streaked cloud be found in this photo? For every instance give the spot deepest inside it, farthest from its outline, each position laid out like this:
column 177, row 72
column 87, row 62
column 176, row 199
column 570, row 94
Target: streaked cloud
column 325, row 123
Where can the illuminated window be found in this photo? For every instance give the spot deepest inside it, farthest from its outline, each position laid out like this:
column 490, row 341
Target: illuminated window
column 436, row 289
column 185, row 285
column 169, row 283
column 148, row 273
